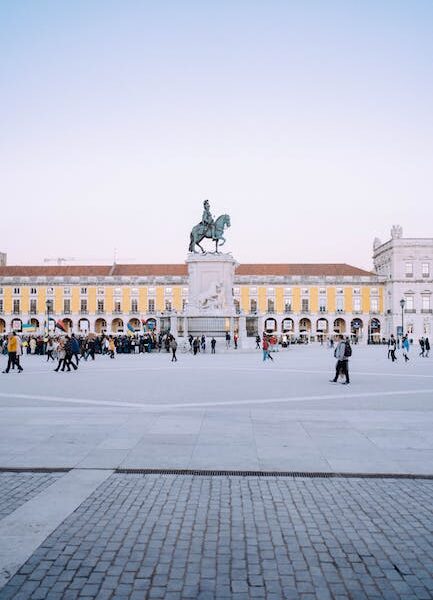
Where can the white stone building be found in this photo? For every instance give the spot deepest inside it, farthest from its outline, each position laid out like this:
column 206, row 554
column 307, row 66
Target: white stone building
column 405, row 265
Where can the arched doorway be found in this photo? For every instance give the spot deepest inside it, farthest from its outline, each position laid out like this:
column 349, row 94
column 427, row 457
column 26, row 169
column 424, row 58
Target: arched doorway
column 374, row 332
column 135, row 324
column 117, row 325
column 287, row 325
column 150, row 324
column 68, row 324
column 16, row 325
column 305, row 329
column 356, row 326
column 2, row 326
column 339, row 326
column 100, row 326
column 322, row 329
column 84, row 325
column 270, row 325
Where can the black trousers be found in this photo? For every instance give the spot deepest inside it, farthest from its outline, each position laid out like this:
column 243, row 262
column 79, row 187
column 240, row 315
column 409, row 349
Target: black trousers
column 174, row 357
column 12, row 361
column 343, row 368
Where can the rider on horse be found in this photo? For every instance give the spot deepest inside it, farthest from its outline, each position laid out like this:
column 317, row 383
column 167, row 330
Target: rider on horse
column 207, row 220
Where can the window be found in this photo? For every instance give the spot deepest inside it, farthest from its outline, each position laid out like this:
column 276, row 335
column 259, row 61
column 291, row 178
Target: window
column 340, row 291
column 409, row 269
column 33, row 306
column 117, row 291
column 409, row 303
column 305, row 305
column 151, row 305
column 356, row 291
column 236, row 291
column 117, row 306
column 237, row 306
column 185, row 292
column 305, row 291
column 16, row 291
column 168, row 305
column 322, row 291
column 271, row 291
column 33, row 291
column 83, row 305
column 288, row 305
column 374, row 292
column 100, row 305
column 134, row 291
column 357, row 304
column 1, row 291
column 287, row 291
column 67, row 306
column 168, row 291
column 151, row 291
column 101, row 291
column 184, row 303
column 340, row 304
column 253, row 305
column 16, row 307
column 50, row 291
column 66, row 291
column 253, row 291
column 83, row 291
column 322, row 303
column 374, row 304
column 134, row 305
column 426, row 269
column 271, row 305
column 1, row 305
column 426, row 303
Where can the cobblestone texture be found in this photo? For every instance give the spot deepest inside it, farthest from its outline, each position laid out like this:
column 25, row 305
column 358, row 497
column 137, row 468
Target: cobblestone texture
column 18, row 488
column 184, row 537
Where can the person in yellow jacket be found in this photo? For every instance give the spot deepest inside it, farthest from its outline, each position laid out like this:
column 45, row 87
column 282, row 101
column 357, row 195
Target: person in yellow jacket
column 111, row 347
column 13, row 347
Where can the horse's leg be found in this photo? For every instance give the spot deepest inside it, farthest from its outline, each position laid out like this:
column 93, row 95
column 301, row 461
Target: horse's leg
column 222, row 241
column 216, row 246
column 198, row 244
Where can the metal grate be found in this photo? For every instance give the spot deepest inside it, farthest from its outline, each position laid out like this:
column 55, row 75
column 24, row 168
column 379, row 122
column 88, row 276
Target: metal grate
column 34, row 470
column 295, row 474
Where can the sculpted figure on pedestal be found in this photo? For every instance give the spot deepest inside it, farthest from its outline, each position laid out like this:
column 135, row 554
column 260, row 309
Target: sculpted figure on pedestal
column 209, row 228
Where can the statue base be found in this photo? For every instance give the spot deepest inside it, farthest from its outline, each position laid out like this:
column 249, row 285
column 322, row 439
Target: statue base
column 211, row 278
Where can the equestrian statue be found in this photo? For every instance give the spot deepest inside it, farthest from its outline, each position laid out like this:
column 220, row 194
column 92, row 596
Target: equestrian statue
column 209, row 228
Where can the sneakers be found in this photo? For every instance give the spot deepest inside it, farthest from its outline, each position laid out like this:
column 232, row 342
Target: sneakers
column 345, row 382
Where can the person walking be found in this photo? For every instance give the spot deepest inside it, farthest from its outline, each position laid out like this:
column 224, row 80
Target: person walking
column 195, row 345
column 342, row 353
column 258, row 342
column 228, row 338
column 427, row 347
column 235, row 340
column 422, row 346
column 173, row 348
column 68, row 355
column 61, row 354
column 265, row 348
column 212, row 345
column 111, row 347
column 50, row 350
column 203, row 343
column 75, row 348
column 405, row 347
column 392, row 347
column 13, row 348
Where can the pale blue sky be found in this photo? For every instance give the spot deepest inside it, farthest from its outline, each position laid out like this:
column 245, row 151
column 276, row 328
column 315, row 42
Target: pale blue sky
column 310, row 123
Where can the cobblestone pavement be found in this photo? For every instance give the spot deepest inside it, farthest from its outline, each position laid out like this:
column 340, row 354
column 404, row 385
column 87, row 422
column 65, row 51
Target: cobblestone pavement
column 18, row 488
column 175, row 537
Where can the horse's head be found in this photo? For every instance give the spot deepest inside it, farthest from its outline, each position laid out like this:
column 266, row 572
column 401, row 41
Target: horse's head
column 223, row 221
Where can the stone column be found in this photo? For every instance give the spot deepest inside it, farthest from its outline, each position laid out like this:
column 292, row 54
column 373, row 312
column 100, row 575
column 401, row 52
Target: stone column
column 173, row 325
column 243, row 331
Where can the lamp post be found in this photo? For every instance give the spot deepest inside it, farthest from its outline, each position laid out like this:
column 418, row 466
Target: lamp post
column 402, row 303
column 48, row 307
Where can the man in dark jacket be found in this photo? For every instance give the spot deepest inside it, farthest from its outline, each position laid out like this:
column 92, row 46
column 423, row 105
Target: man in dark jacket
column 68, row 355
column 75, row 348
column 341, row 353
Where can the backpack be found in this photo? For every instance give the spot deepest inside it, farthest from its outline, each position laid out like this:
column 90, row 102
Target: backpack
column 347, row 350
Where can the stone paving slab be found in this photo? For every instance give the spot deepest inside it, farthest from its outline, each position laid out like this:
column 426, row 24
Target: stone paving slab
column 18, row 488
column 185, row 537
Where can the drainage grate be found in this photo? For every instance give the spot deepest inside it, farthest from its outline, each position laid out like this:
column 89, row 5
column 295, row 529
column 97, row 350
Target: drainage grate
column 34, row 470
column 295, row 474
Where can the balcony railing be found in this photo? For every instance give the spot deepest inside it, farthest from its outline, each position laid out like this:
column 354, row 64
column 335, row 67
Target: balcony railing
column 100, row 311
column 67, row 312
column 84, row 312
column 16, row 312
column 410, row 311
column 426, row 311
column 118, row 312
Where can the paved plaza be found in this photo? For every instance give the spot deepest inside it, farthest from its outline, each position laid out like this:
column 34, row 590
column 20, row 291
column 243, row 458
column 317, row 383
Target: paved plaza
column 226, row 411
column 321, row 491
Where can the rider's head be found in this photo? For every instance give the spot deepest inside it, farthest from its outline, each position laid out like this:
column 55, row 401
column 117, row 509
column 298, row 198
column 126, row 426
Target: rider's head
column 206, row 203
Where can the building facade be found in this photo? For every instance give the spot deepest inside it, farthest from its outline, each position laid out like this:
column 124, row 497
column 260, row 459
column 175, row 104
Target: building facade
column 307, row 301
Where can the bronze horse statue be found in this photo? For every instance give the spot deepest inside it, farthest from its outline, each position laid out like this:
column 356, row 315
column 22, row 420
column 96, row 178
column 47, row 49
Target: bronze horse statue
column 199, row 232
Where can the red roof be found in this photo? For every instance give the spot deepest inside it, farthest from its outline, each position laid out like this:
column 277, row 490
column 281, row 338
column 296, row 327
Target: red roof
column 250, row 269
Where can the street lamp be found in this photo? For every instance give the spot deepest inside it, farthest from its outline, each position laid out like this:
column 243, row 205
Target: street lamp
column 48, row 305
column 402, row 303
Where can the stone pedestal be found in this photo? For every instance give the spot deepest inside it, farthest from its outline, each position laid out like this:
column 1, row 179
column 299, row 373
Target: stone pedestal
column 211, row 278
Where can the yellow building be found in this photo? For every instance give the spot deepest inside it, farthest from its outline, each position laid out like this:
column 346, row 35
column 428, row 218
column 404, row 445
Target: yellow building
column 305, row 301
